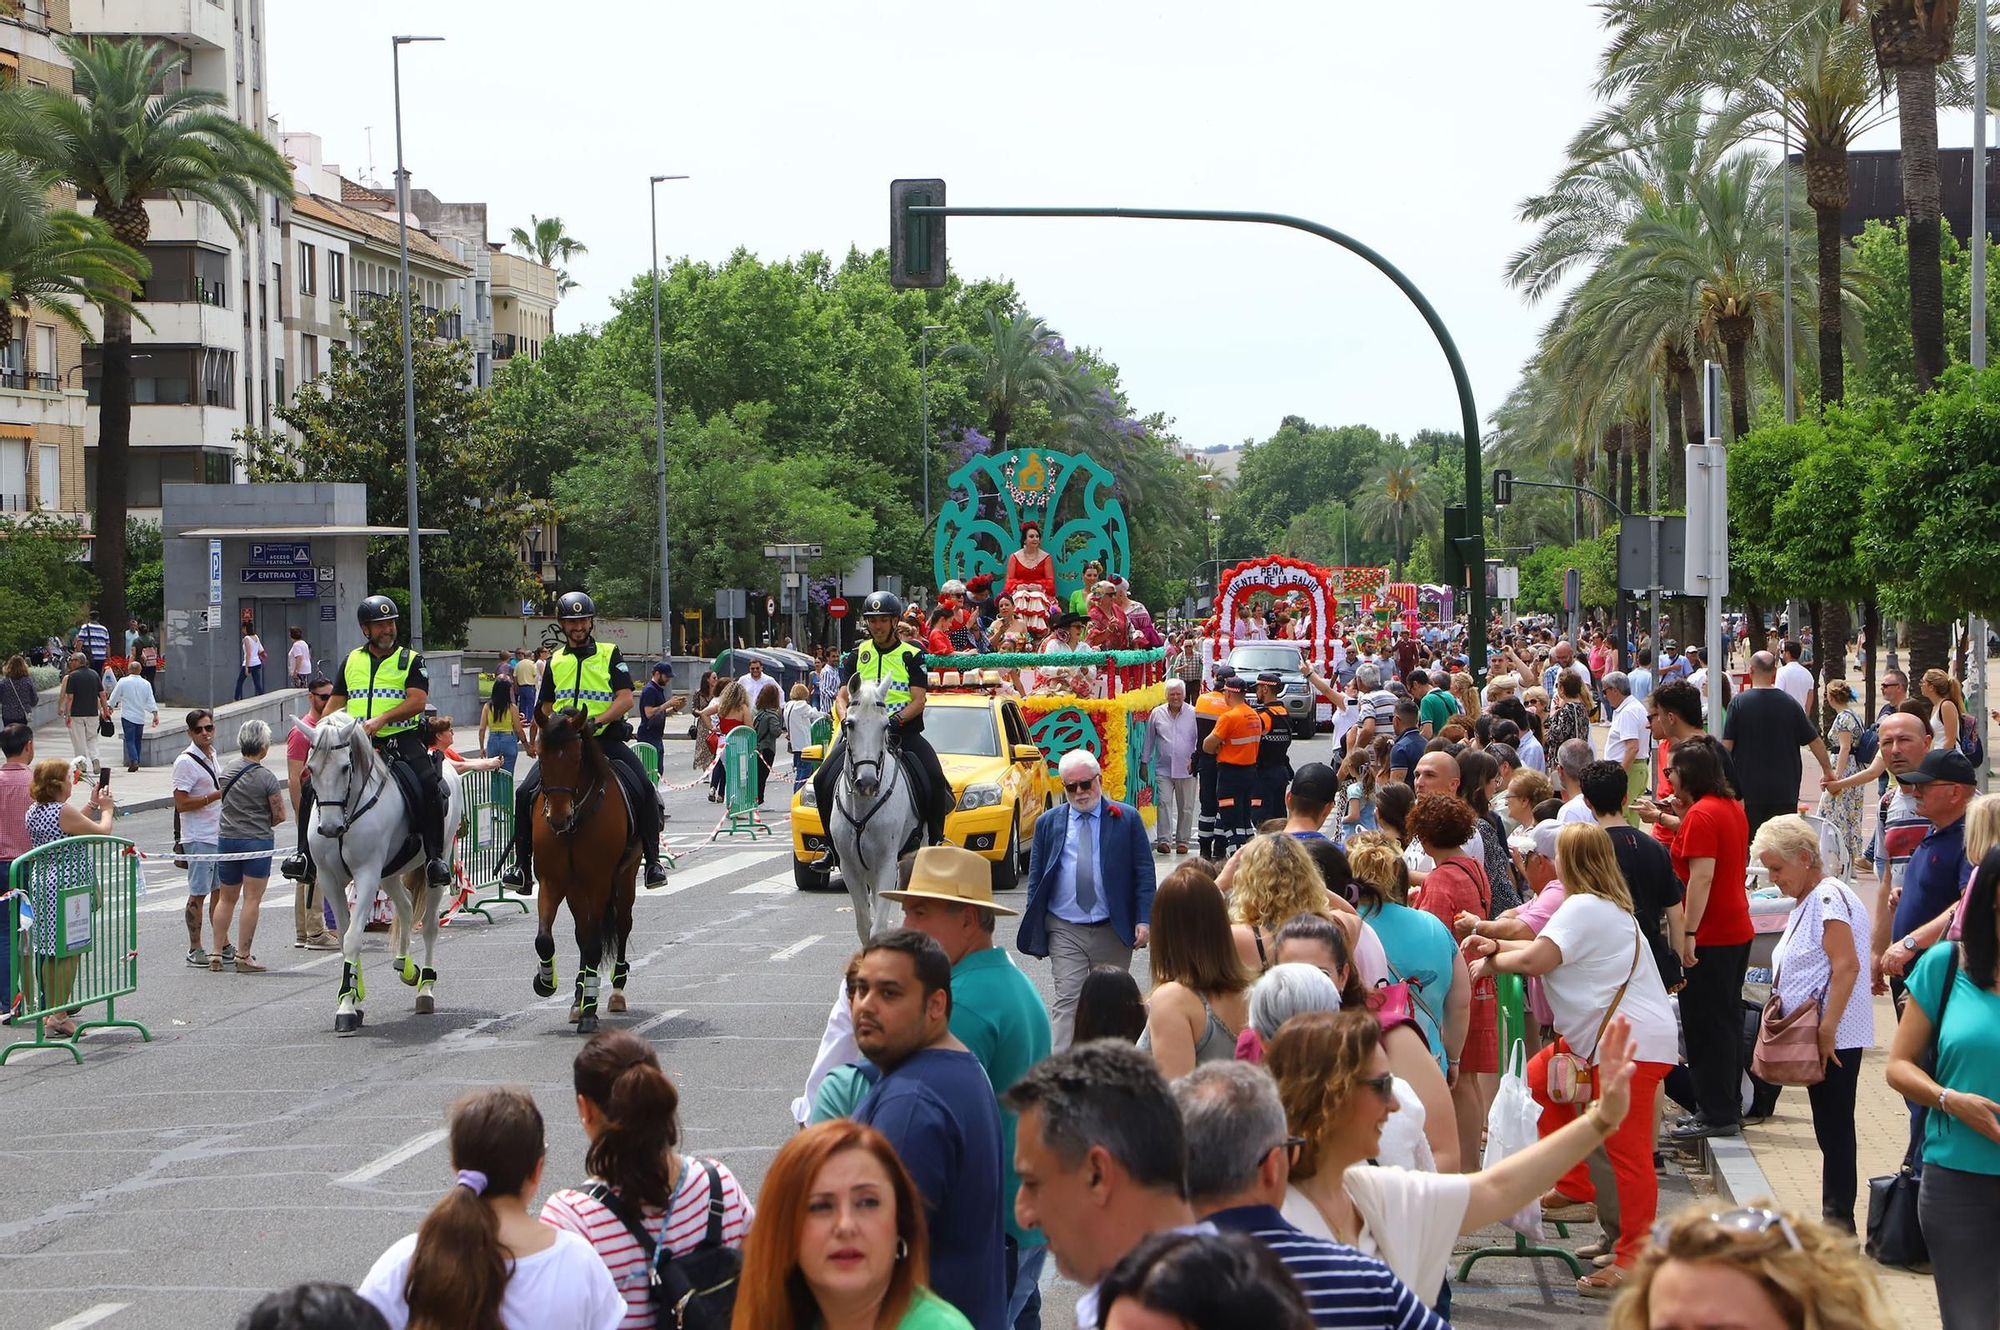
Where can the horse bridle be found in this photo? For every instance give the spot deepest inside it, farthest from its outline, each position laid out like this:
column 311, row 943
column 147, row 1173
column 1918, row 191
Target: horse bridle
column 580, row 804
column 847, row 781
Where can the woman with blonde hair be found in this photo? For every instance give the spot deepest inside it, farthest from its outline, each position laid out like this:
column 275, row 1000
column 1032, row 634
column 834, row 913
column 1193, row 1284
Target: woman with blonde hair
column 1751, row 1269
column 1270, row 880
column 1334, row 1080
column 1200, row 999
column 51, row 818
column 1595, row 966
column 1947, row 701
column 1465, row 693
column 839, row 1240
column 732, row 707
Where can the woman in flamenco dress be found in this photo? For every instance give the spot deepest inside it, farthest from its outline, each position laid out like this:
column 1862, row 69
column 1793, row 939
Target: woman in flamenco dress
column 1031, row 580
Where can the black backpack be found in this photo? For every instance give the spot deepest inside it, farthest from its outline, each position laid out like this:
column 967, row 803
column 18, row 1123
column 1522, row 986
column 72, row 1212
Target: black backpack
column 695, row 1291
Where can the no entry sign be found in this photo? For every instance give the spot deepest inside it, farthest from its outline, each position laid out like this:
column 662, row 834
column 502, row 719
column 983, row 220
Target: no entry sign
column 837, row 607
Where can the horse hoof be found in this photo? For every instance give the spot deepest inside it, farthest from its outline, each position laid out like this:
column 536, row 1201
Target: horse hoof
column 575, row 1014
column 408, row 970
column 617, row 1001
column 426, row 1004
column 346, row 1022
column 544, row 987
column 587, row 1024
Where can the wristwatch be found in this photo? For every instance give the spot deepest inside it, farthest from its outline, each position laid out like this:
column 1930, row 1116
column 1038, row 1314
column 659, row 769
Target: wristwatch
column 1909, row 943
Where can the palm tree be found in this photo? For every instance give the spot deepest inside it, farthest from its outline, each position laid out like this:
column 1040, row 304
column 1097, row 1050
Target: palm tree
column 546, row 242
column 52, row 258
column 1024, row 360
column 1914, row 42
column 1397, row 505
column 126, row 137
column 1780, row 71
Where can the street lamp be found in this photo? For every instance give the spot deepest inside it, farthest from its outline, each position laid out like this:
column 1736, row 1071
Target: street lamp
column 396, row 45
column 924, row 360
column 660, row 425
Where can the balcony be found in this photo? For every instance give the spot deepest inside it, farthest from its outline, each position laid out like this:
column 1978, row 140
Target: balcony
column 503, row 347
column 21, row 381
column 31, row 14
column 192, row 23
column 450, row 326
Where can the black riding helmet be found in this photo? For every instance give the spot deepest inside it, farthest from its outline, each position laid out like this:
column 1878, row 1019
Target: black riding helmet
column 377, row 609
column 575, row 605
column 882, row 602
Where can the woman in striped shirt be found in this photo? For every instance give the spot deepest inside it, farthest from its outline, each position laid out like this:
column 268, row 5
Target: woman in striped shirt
column 630, row 1112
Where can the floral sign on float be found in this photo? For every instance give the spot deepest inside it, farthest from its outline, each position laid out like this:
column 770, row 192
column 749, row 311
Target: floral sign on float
column 995, row 493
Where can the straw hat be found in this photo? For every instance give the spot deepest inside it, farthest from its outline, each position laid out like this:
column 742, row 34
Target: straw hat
column 950, row 873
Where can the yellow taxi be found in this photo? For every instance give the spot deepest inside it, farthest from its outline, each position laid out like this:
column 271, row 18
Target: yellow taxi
column 999, row 777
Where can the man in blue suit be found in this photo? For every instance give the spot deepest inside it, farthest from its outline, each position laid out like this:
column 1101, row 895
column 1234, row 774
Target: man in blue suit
column 1090, row 887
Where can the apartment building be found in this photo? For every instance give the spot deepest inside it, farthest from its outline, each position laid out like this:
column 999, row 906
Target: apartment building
column 208, row 365
column 42, row 399
column 461, row 228
column 524, row 305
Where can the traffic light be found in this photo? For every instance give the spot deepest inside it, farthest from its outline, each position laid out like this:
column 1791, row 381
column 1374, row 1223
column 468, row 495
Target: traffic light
column 1451, row 558
column 1503, row 487
column 916, row 244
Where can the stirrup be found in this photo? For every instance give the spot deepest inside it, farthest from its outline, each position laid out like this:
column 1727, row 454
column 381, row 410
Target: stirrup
column 437, row 872
column 514, row 875
column 294, row 867
column 826, row 863
column 656, row 876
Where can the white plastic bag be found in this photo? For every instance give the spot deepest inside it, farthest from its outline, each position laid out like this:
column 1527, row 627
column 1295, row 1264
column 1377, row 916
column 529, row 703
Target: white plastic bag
column 1511, row 1127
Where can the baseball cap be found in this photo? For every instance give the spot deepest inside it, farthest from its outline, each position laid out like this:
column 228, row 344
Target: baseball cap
column 1233, row 684
column 663, row 667
column 1945, row 764
column 1316, row 783
column 1538, row 839
column 1271, row 677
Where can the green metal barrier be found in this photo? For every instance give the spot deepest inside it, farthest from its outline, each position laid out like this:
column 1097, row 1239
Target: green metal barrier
column 649, row 758
column 483, row 842
column 1513, row 998
column 739, row 775
column 82, row 945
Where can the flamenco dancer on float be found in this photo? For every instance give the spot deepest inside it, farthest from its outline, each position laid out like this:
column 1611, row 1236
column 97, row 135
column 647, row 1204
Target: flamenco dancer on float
column 1031, row 580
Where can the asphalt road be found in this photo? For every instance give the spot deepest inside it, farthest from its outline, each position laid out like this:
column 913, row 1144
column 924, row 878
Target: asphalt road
column 170, row 1184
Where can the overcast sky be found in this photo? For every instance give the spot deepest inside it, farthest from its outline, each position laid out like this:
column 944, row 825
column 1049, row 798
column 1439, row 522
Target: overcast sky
column 1415, row 128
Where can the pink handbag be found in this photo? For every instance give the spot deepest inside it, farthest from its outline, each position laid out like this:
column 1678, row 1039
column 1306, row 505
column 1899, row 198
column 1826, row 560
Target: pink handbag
column 1570, row 1081
column 1787, row 1051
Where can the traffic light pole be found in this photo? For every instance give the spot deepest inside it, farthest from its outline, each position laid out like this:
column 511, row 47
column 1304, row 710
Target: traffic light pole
column 1473, row 547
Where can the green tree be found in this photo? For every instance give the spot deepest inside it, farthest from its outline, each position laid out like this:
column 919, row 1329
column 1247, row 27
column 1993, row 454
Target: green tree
column 1596, row 560
column 549, row 243
column 1761, row 464
column 44, row 584
column 52, row 258
column 1886, row 368
column 145, row 599
column 1397, row 504
column 1930, row 528
column 131, row 133
column 1293, row 471
column 1021, row 361
column 348, row 425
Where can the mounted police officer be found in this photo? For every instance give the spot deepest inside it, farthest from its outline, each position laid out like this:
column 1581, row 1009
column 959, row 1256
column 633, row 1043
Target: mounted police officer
column 385, row 687
column 591, row 676
column 881, row 656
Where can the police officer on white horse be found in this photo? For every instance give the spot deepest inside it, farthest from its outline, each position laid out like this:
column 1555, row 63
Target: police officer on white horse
column 882, row 656
column 385, row 687
column 591, row 676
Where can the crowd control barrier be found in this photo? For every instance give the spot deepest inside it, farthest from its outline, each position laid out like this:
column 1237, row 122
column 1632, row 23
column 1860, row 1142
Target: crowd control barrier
column 72, row 914
column 484, row 838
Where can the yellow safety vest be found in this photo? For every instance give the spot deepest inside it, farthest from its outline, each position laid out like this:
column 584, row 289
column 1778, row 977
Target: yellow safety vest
column 581, row 681
column 375, row 686
column 871, row 664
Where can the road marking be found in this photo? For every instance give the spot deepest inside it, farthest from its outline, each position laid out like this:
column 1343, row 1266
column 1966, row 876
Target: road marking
column 655, row 1022
column 797, row 947
column 409, row 1149
column 315, row 962
column 91, row 1316
column 723, row 867
column 776, row 884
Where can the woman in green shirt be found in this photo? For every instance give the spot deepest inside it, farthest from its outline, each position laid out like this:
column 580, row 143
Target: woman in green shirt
column 1959, row 1205
column 1079, row 599
column 839, row 1240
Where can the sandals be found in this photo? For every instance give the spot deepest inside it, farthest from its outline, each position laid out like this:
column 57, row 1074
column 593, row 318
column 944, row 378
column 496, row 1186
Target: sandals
column 1603, row 1283
column 59, row 1027
column 248, row 964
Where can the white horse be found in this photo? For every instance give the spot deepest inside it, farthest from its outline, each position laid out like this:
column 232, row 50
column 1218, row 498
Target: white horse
column 359, row 820
column 874, row 811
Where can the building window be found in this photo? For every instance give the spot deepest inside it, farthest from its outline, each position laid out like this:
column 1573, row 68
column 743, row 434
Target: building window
column 186, row 273
column 309, row 360
column 44, row 362
column 14, row 475
column 218, row 377
column 336, row 276
column 48, row 481
column 308, row 269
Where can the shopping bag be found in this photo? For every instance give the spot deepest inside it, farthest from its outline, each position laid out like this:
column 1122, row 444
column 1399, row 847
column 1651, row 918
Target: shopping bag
column 1512, row 1125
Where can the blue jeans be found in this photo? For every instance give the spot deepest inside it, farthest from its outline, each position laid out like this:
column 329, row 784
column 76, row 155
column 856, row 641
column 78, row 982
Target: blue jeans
column 1024, row 1309
column 255, row 675
column 134, row 731
column 506, row 747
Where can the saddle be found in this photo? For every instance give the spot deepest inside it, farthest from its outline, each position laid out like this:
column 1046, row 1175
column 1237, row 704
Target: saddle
column 409, row 781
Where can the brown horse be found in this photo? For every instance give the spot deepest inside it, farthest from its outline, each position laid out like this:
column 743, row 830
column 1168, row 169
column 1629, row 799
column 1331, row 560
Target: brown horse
column 585, row 854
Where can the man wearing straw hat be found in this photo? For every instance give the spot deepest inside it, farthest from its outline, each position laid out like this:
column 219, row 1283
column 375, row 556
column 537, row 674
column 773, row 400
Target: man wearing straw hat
column 995, row 1012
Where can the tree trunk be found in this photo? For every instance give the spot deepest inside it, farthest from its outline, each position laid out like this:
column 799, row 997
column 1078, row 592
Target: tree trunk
column 1579, row 473
column 1633, row 432
column 1753, row 617
column 1735, row 331
column 1916, row 105
column 1642, row 466
column 1832, row 369
column 1928, row 646
column 114, row 450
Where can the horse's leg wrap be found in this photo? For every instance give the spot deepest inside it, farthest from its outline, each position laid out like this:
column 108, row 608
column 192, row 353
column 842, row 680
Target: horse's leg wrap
column 426, row 999
column 545, row 973
column 618, row 973
column 586, row 1004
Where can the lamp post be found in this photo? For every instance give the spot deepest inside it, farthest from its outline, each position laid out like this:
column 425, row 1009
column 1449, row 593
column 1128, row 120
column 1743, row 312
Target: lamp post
column 396, row 45
column 660, row 426
column 924, row 372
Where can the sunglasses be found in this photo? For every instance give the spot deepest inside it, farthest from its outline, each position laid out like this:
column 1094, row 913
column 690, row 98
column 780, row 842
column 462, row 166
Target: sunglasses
column 1079, row 786
column 321, row 697
column 201, row 729
column 1384, row 1087
column 1751, row 1221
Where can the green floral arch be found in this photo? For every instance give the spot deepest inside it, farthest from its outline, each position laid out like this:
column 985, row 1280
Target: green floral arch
column 1031, row 484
